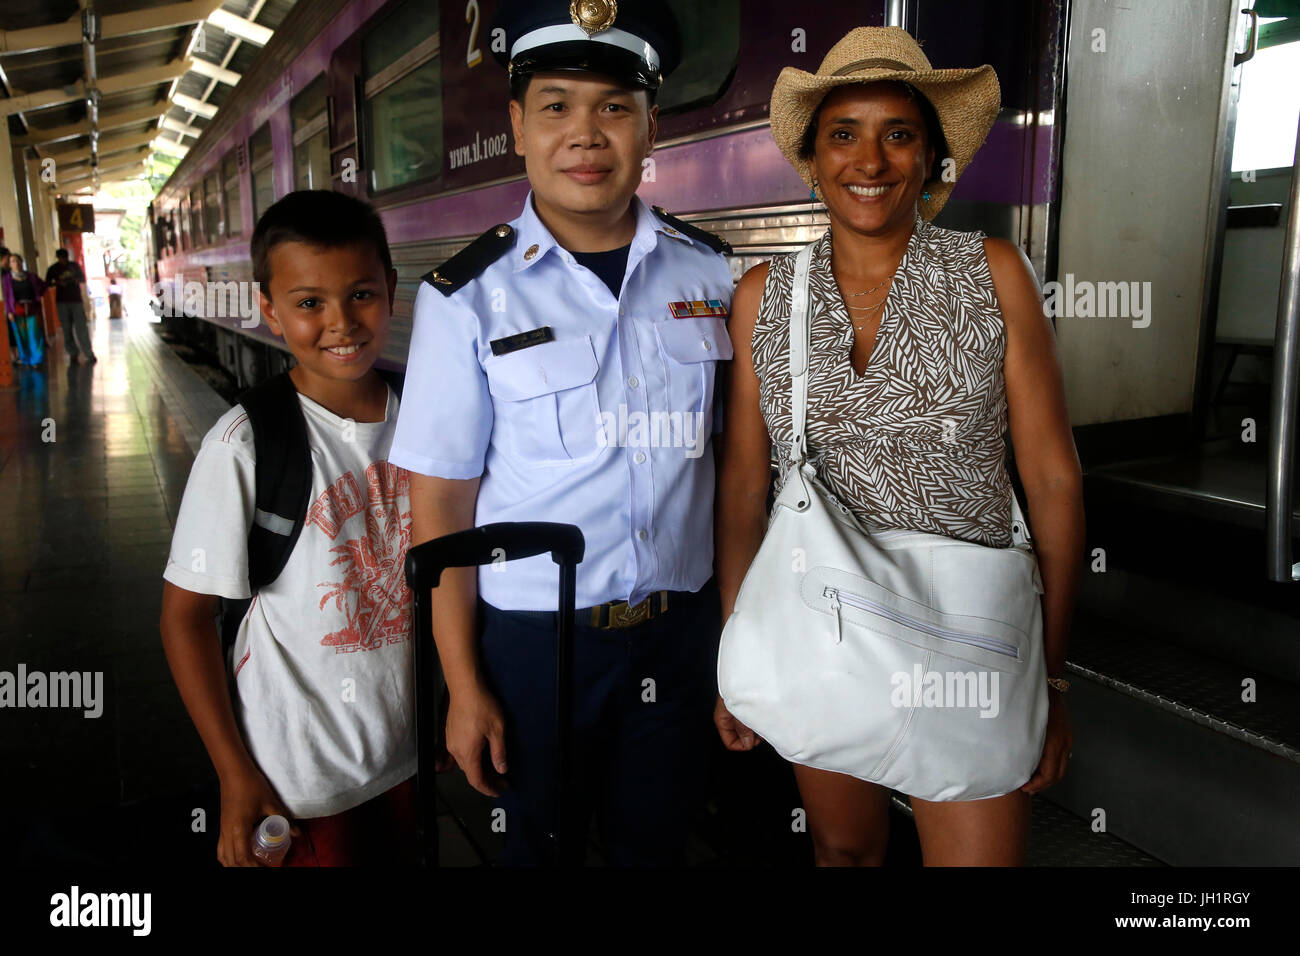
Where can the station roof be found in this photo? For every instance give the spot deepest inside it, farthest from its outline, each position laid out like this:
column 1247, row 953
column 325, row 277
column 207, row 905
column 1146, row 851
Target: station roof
column 142, row 76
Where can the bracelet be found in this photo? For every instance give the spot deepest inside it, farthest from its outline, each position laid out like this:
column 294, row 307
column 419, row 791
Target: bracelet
column 1058, row 683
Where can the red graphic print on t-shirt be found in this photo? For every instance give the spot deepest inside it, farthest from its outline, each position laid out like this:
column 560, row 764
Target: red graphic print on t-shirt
column 373, row 593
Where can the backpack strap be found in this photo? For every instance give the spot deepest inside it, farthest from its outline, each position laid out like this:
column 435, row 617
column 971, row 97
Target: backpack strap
column 283, row 484
column 282, row 489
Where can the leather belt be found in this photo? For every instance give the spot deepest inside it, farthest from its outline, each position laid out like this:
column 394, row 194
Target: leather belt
column 615, row 614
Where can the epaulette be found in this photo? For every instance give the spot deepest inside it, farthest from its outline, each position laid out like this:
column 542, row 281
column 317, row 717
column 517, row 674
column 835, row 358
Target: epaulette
column 470, row 262
column 716, row 243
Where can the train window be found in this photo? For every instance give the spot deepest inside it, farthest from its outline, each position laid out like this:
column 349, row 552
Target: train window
column 259, row 160
column 309, row 114
column 230, row 184
column 403, row 89
column 1267, row 111
column 196, row 217
column 211, row 209
column 711, row 43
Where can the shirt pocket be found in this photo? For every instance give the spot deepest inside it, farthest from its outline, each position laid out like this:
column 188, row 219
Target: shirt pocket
column 692, row 349
column 545, row 396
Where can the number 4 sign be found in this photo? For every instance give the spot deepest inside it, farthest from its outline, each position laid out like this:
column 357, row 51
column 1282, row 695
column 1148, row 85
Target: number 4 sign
column 76, row 218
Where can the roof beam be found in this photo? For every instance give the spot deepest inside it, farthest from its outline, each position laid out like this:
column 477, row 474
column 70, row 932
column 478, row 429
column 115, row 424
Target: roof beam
column 117, row 83
column 107, row 145
column 206, row 110
column 176, row 126
column 216, row 72
column 123, row 171
column 162, row 145
column 107, row 121
column 239, row 27
column 68, row 32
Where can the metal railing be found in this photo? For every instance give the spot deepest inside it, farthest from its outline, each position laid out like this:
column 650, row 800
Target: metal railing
column 1286, row 387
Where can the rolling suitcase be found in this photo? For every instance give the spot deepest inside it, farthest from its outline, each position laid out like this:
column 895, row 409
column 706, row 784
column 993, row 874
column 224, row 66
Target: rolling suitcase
column 506, row 541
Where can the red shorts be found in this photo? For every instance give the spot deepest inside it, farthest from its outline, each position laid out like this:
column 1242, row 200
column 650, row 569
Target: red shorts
column 379, row 832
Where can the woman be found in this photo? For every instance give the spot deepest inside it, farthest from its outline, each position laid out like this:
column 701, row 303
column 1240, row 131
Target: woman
column 22, row 296
column 922, row 342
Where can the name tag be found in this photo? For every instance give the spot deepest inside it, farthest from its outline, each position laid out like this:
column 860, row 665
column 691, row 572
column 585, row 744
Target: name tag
column 697, row 308
column 513, row 343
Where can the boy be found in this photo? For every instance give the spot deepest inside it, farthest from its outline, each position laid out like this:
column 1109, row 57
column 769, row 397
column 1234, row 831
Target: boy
column 319, row 726
column 529, row 351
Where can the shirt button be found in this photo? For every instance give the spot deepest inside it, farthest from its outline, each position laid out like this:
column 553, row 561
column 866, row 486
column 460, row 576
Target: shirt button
column 643, row 534
column 705, row 343
column 639, row 457
column 633, row 382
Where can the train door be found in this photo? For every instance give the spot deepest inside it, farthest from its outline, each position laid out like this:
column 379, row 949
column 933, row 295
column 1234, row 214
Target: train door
column 1187, row 648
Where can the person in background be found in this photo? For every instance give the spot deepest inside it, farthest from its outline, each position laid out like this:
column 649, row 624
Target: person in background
column 22, row 299
column 114, row 297
column 70, row 295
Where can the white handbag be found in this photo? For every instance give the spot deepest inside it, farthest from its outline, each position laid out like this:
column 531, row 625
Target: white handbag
column 908, row 659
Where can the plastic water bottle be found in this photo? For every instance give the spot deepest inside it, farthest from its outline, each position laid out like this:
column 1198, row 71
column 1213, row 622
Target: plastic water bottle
column 271, row 842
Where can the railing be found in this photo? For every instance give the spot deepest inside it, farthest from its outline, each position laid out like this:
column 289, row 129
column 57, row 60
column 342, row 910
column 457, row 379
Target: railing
column 1286, row 387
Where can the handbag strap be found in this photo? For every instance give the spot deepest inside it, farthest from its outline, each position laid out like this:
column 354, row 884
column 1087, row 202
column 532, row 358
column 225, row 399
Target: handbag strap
column 799, row 354
column 799, row 386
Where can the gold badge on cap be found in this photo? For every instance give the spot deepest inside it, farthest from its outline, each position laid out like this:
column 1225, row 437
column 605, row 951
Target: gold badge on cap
column 592, row 16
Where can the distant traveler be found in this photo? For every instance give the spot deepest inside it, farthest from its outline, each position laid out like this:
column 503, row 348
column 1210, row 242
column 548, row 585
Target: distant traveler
column 70, row 292
column 22, row 299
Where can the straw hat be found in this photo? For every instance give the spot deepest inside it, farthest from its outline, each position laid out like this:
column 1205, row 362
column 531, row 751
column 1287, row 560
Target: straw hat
column 966, row 101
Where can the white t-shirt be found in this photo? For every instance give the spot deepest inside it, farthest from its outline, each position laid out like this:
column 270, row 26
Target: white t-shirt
column 322, row 665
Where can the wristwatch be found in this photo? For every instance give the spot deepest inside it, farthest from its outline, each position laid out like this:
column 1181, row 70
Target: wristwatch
column 1059, row 683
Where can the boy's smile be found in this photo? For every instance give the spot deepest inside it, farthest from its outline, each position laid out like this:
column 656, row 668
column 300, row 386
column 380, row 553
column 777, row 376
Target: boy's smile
column 332, row 305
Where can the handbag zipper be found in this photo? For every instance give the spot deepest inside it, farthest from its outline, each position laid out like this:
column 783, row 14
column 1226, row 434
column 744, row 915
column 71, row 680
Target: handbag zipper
column 839, row 598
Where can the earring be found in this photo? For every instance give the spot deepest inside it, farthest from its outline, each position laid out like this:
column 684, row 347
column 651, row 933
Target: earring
column 926, row 195
column 812, row 193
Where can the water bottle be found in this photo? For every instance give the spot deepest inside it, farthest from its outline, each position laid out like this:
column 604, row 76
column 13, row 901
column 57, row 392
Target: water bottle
column 271, row 841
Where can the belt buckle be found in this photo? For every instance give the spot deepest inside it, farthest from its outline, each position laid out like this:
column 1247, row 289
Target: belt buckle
column 629, row 615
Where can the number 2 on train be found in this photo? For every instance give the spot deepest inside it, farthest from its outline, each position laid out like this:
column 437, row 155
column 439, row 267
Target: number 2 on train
column 473, row 55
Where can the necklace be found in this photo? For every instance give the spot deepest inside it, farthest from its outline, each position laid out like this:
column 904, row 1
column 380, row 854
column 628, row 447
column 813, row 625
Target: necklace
column 854, row 295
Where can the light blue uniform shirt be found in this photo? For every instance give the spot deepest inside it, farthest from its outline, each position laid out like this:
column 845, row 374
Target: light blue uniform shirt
column 607, row 427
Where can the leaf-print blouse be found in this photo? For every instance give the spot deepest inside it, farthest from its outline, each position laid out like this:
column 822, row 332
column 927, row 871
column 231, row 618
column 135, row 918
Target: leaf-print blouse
column 916, row 441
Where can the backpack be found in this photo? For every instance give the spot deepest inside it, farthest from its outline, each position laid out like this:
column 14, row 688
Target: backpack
column 283, row 487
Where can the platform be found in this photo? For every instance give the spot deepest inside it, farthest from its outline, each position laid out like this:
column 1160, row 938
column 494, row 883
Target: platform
column 88, row 517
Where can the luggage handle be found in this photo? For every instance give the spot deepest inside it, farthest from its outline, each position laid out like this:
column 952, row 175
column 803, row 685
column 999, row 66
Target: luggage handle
column 503, row 541
column 508, row 541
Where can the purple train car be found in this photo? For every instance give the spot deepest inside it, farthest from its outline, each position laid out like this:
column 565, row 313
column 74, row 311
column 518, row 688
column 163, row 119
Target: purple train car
column 402, row 104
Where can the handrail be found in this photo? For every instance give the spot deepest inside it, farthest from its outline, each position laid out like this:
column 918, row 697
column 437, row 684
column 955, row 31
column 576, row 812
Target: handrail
column 1286, row 389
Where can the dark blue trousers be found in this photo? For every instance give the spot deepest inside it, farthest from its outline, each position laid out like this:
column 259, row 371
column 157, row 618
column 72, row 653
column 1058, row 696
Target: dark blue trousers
column 642, row 702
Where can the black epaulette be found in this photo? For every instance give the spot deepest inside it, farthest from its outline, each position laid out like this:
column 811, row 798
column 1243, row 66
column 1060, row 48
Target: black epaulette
column 470, row 262
column 716, row 243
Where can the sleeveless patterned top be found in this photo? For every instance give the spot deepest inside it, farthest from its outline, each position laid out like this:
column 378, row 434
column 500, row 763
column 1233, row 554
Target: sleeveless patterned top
column 916, row 442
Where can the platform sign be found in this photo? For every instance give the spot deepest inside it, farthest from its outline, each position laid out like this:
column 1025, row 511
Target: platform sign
column 477, row 142
column 76, row 217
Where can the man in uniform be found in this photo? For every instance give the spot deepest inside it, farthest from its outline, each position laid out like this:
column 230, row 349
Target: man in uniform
column 562, row 368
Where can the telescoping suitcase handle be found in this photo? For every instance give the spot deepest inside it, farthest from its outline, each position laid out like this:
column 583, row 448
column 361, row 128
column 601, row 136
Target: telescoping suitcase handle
column 504, row 541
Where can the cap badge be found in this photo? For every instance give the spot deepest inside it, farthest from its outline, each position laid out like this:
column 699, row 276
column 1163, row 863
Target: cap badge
column 592, row 16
